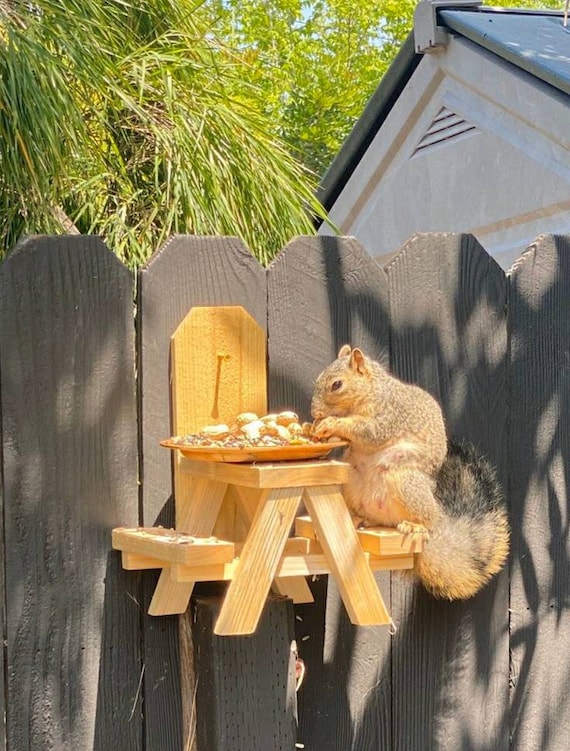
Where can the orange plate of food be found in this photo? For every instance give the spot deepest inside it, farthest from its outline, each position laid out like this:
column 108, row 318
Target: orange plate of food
column 250, row 454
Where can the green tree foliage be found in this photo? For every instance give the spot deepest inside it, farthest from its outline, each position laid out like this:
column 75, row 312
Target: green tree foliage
column 318, row 61
column 137, row 119
column 128, row 120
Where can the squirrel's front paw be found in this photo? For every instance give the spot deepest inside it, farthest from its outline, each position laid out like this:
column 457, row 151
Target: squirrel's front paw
column 409, row 528
column 330, row 426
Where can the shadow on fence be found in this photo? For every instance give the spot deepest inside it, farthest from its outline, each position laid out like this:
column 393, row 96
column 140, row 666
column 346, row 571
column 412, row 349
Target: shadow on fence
column 87, row 668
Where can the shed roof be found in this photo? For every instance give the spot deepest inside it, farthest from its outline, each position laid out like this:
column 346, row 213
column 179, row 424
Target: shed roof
column 534, row 41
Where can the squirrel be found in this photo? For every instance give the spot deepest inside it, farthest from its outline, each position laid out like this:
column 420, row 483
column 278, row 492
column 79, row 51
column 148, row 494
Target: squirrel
column 405, row 473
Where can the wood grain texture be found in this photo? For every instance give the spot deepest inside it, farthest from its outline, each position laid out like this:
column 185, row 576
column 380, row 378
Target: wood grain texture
column 290, row 566
column 344, row 554
column 172, row 546
column 236, row 706
column 450, row 661
column 324, row 292
column 70, row 475
column 197, row 507
column 188, row 271
column 290, row 474
column 379, row 541
column 218, row 360
column 539, row 479
column 258, row 563
column 249, row 501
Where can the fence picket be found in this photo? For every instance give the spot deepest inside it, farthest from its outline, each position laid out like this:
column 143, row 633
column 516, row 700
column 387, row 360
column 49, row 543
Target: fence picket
column 189, row 271
column 324, row 292
column 539, row 479
column 448, row 316
column 70, row 475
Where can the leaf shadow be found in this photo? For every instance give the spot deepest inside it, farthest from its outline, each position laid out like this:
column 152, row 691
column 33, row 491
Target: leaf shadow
column 472, row 336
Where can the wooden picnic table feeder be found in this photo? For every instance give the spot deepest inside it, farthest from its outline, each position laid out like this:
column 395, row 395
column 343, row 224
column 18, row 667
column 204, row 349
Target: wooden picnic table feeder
column 238, row 521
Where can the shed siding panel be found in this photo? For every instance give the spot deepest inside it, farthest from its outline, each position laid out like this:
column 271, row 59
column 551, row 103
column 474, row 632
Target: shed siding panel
column 518, row 135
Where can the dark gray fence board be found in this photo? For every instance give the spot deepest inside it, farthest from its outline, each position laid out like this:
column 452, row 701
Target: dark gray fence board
column 450, row 661
column 70, row 475
column 237, row 708
column 3, row 602
column 79, row 674
column 324, row 292
column 188, row 271
column 539, row 482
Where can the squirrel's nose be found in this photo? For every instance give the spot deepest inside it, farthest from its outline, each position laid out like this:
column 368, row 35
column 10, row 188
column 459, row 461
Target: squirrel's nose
column 316, row 414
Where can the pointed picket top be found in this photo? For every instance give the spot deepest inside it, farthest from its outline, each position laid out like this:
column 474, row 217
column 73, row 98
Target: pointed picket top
column 323, row 292
column 188, row 271
column 69, row 474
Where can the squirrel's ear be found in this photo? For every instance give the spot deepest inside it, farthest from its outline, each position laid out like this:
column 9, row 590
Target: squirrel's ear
column 344, row 350
column 358, row 361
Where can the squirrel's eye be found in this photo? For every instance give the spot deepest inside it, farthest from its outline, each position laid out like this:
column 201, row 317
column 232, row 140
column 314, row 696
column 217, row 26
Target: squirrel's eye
column 336, row 385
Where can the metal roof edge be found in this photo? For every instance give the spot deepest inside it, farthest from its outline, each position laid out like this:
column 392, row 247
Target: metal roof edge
column 399, row 73
column 455, row 20
column 368, row 124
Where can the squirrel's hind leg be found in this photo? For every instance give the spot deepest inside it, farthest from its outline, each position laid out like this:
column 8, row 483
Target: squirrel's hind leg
column 420, row 508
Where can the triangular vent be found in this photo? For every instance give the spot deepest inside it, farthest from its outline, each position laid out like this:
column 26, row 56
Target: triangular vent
column 445, row 127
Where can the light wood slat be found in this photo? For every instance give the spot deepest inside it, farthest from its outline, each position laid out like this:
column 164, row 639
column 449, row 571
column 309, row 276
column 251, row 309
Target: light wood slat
column 312, row 564
column 384, row 541
column 198, row 506
column 136, row 562
column 298, row 590
column 293, row 546
column 286, row 474
column 218, row 362
column 304, row 527
column 258, row 564
column 170, row 597
column 378, row 541
column 347, row 560
column 173, row 546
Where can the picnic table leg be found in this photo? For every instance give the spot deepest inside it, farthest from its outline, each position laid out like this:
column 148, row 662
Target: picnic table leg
column 343, row 551
column 260, row 556
column 198, row 505
column 294, row 587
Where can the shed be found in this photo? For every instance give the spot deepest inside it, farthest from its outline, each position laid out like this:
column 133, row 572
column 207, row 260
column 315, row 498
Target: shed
column 467, row 132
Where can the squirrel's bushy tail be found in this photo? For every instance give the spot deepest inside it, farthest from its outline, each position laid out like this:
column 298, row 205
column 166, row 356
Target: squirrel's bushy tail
column 471, row 542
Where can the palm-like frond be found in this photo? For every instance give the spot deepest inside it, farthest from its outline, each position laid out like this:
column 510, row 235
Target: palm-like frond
column 130, row 119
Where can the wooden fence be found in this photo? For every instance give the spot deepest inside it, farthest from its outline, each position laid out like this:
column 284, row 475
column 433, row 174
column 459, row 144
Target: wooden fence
column 84, row 401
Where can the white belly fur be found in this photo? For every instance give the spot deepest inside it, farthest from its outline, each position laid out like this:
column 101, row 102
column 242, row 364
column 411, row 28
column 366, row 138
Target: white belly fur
column 368, row 492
